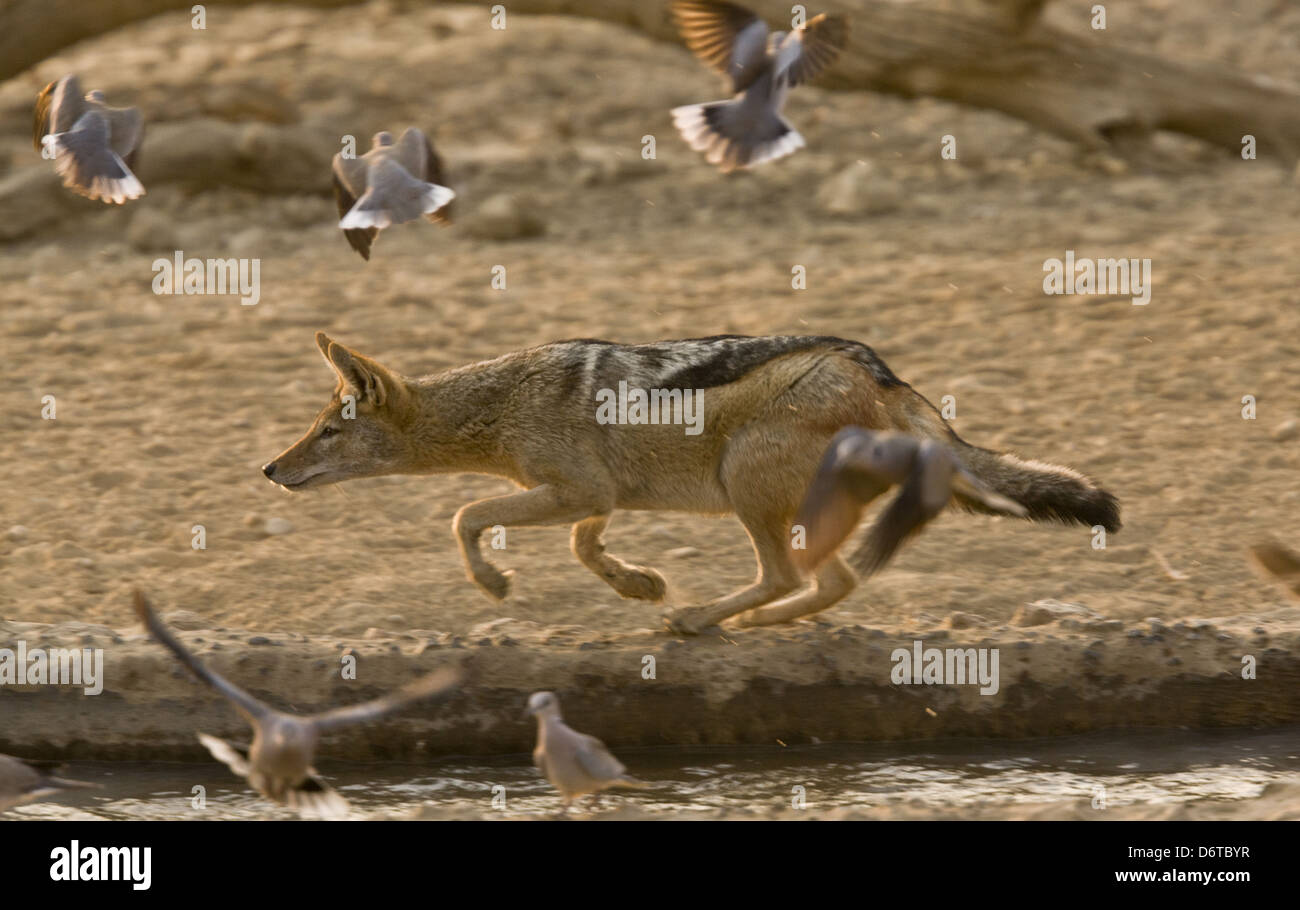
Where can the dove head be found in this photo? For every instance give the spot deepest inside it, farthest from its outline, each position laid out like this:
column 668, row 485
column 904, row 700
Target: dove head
column 383, row 139
column 96, row 95
column 544, row 705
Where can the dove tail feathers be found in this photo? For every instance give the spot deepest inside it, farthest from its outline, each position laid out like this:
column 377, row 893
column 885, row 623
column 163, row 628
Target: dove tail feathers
column 375, row 210
column 731, row 137
column 628, row 782
column 93, row 169
column 1048, row 492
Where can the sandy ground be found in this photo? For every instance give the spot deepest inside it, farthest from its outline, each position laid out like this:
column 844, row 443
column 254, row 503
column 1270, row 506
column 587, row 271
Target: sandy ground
column 167, row 406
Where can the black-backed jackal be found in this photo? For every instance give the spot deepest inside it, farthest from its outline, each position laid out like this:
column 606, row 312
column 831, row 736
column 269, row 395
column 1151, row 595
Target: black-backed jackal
column 564, row 421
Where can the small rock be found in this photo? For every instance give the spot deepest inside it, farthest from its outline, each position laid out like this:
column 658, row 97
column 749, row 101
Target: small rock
column 184, row 620
column 504, row 217
column 1042, row 612
column 681, row 552
column 259, row 640
column 278, row 526
column 17, row 532
column 963, row 620
column 250, row 243
column 151, row 231
column 1286, row 430
column 859, row 190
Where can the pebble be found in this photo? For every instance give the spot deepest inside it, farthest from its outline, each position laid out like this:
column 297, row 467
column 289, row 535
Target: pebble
column 1286, row 430
column 859, row 190
column 1042, row 612
column 278, row 526
column 504, row 217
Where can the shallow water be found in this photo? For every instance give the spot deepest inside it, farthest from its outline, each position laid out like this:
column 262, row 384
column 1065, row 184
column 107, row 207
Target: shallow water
column 1151, row 768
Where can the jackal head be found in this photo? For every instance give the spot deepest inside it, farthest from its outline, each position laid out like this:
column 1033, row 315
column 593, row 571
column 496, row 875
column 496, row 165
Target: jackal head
column 360, row 433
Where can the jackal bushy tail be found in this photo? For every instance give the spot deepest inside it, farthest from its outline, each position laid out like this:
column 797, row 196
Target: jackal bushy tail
column 1048, row 492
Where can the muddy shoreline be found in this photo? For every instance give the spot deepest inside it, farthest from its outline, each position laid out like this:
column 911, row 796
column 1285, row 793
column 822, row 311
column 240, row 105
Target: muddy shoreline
column 815, row 682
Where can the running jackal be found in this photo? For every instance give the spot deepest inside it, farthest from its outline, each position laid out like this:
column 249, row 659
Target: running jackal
column 728, row 424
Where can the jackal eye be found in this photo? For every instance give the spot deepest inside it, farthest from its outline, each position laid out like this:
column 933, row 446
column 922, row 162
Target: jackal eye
column 327, row 432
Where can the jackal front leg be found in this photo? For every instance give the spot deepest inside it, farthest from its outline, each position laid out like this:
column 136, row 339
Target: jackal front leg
column 543, row 505
column 625, row 578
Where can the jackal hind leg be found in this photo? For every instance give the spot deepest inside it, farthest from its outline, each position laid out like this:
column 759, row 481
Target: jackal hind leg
column 833, row 582
column 777, row 576
column 547, row 504
column 628, row 580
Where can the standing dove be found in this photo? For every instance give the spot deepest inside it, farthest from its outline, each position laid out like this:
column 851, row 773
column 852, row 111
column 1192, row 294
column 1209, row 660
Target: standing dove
column 278, row 764
column 858, row 466
column 761, row 67
column 22, row 782
column 576, row 764
column 94, row 146
column 393, row 183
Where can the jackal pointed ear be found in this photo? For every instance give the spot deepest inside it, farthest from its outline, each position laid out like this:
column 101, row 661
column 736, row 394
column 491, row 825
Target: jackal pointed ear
column 323, row 342
column 368, row 380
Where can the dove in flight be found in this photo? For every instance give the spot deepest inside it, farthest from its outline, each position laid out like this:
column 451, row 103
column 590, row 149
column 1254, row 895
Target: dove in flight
column 576, row 764
column 761, row 68
column 860, row 465
column 393, row 183
column 94, row 146
column 23, row 782
column 278, row 764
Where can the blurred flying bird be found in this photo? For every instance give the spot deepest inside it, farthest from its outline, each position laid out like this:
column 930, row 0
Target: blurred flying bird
column 23, row 782
column 278, row 764
column 761, row 67
column 1279, row 562
column 858, row 466
column 393, row 183
column 576, row 764
column 94, row 146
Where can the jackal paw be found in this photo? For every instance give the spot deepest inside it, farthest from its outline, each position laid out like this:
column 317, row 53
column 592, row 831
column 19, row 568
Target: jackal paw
column 492, row 582
column 641, row 584
column 687, row 620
